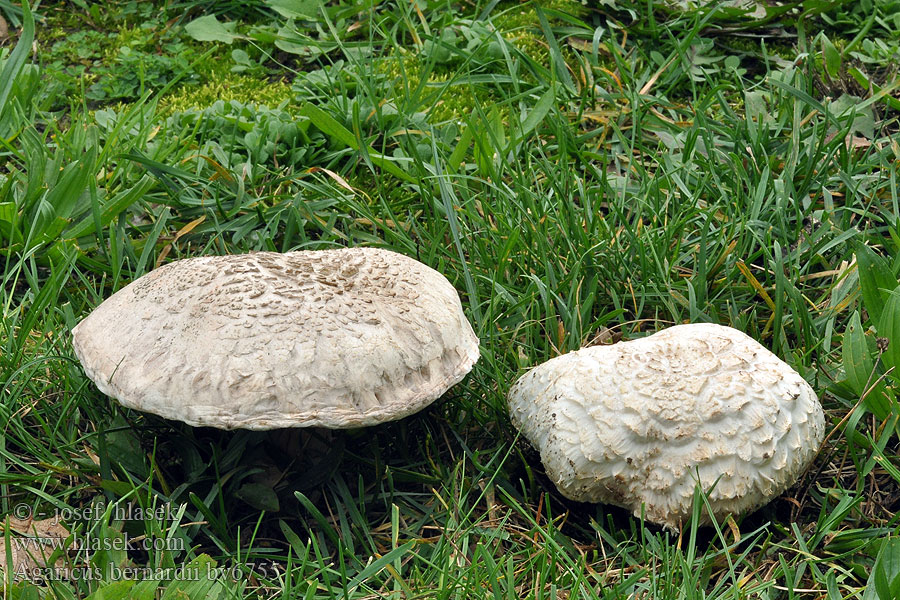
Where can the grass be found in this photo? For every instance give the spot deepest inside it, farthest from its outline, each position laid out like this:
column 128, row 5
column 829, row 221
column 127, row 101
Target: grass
column 579, row 173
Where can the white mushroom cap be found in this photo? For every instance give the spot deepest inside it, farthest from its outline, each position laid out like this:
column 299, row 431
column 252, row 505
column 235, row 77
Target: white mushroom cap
column 330, row 338
column 636, row 423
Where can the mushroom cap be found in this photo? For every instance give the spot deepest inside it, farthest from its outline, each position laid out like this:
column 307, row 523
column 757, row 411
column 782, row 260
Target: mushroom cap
column 329, row 338
column 639, row 423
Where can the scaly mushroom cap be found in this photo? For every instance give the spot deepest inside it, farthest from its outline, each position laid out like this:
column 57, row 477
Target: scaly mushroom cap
column 636, row 423
column 330, row 338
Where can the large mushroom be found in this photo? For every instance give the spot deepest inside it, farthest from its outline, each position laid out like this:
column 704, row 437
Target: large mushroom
column 330, row 338
column 639, row 424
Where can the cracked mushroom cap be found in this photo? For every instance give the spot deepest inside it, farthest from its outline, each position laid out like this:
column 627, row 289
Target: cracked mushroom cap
column 636, row 422
column 328, row 338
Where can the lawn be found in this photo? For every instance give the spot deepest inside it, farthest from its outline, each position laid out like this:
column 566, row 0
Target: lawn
column 581, row 172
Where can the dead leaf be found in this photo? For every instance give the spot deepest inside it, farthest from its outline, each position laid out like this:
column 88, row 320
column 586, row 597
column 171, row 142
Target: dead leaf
column 181, row 232
column 31, row 545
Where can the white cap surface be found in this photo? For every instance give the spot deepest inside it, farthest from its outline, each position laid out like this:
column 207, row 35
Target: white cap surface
column 329, row 338
column 636, row 423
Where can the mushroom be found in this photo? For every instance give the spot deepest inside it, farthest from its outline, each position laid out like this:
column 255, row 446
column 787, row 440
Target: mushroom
column 639, row 424
column 329, row 338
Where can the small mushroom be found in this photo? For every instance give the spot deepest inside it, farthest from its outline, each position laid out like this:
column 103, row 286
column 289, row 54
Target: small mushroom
column 638, row 424
column 330, row 338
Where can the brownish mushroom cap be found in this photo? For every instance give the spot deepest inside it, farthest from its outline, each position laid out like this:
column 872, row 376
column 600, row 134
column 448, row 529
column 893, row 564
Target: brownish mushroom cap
column 329, row 338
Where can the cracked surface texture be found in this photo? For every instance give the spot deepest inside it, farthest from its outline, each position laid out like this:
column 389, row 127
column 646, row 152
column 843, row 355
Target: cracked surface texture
column 329, row 338
column 637, row 422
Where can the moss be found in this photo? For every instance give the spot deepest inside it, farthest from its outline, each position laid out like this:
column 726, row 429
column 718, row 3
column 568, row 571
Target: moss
column 220, row 83
column 521, row 28
column 530, row 43
column 441, row 104
column 231, row 86
column 751, row 46
column 517, row 16
column 519, row 24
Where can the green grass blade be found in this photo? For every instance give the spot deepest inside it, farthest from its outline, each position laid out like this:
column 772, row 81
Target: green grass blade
column 330, row 127
column 17, row 58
